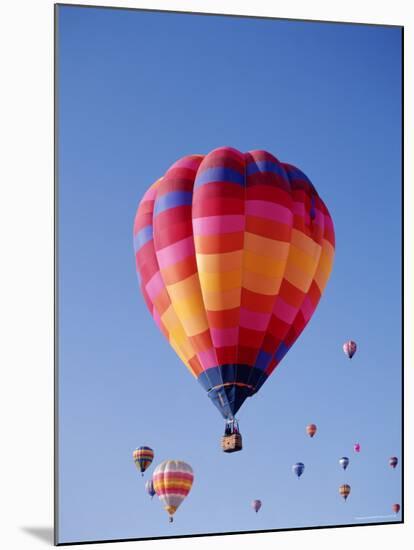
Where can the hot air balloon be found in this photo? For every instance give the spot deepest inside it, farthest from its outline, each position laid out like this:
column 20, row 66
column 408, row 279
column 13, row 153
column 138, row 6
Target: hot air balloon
column 256, row 505
column 172, row 481
column 349, row 348
column 233, row 252
column 311, row 429
column 396, row 508
column 143, row 457
column 298, row 469
column 344, row 491
column 357, row 447
column 344, row 461
column 393, row 461
column 149, row 487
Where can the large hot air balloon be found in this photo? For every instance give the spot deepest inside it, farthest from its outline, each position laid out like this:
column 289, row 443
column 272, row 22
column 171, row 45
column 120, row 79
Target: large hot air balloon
column 343, row 462
column 172, row 481
column 344, row 491
column 233, row 252
column 393, row 461
column 256, row 505
column 298, row 469
column 357, row 448
column 396, row 508
column 349, row 348
column 149, row 487
column 311, row 429
column 143, row 457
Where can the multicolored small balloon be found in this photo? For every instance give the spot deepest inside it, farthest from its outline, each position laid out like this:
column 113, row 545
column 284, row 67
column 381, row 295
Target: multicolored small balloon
column 344, row 491
column 143, row 456
column 311, row 429
column 396, row 508
column 172, row 481
column 256, row 505
column 298, row 469
column 393, row 461
column 149, row 487
column 344, row 461
column 357, row 447
column 350, row 348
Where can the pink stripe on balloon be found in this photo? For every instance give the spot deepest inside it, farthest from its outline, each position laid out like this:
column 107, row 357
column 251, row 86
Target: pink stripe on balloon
column 222, row 337
column 154, row 286
column 175, row 252
column 207, row 358
column 212, row 225
column 298, row 208
column 253, row 319
column 307, row 309
column 191, row 163
column 156, row 317
column 269, row 210
column 284, row 311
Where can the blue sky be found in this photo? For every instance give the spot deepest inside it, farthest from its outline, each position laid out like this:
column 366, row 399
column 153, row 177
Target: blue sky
column 137, row 91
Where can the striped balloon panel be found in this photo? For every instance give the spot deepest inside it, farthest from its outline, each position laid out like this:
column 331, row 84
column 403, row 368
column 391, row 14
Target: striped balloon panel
column 172, row 481
column 234, row 251
column 344, row 490
column 143, row 456
column 349, row 348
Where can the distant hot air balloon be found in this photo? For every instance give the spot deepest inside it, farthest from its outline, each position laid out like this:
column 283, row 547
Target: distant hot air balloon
column 311, row 429
column 256, row 505
column 149, row 487
column 143, row 457
column 344, row 491
column 393, row 461
column 344, row 461
column 396, row 508
column 233, row 252
column 357, row 447
column 298, row 469
column 349, row 348
column 172, row 481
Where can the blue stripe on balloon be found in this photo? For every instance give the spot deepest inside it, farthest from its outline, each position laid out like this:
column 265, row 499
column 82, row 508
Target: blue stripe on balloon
column 263, row 359
column 171, row 200
column 219, row 174
column 265, row 166
column 142, row 237
column 281, row 351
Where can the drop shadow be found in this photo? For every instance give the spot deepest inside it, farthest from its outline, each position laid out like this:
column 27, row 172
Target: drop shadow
column 42, row 533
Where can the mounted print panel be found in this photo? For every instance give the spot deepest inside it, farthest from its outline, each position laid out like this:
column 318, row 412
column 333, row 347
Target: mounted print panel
column 228, row 274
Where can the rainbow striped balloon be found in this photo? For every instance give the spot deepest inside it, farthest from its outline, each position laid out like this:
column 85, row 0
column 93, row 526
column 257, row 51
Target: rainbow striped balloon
column 143, row 456
column 233, row 252
column 172, row 481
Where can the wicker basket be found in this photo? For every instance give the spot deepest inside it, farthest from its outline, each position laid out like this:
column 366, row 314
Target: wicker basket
column 231, row 443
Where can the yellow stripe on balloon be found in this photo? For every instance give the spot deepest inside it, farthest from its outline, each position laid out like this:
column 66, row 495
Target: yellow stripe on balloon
column 220, row 301
column 214, row 263
column 325, row 265
column 263, row 265
column 306, row 244
column 265, row 247
column 261, row 284
column 217, row 282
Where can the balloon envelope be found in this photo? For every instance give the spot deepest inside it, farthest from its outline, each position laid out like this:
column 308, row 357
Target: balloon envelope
column 149, row 487
column 344, row 491
column 344, row 461
column 233, row 252
column 143, row 456
column 357, row 447
column 256, row 505
column 298, row 468
column 172, row 481
column 311, row 429
column 393, row 461
column 396, row 508
column 349, row 348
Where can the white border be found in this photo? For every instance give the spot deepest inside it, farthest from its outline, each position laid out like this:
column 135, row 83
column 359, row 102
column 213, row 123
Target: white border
column 26, row 289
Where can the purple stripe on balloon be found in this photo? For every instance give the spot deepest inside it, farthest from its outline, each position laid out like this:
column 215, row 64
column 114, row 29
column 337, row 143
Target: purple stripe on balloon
column 307, row 309
column 284, row 311
column 253, row 319
column 270, row 210
column 207, row 358
column 223, row 337
column 154, row 286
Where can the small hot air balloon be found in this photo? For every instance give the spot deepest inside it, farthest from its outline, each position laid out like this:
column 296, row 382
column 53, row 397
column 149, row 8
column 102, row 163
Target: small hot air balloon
column 143, row 457
column 393, row 461
column 344, row 461
column 298, row 469
column 256, row 505
column 396, row 508
column 172, row 480
column 311, row 429
column 357, row 447
column 349, row 348
column 149, row 487
column 344, row 491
